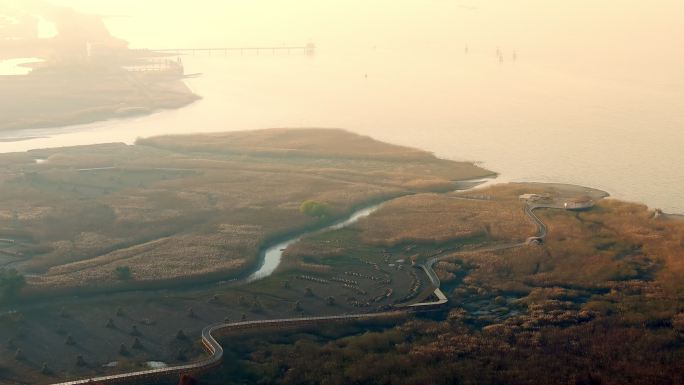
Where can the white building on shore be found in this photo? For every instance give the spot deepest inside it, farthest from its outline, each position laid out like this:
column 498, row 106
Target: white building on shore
column 579, row 203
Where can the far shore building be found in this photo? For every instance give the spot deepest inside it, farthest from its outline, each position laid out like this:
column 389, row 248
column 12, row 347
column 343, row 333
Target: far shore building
column 579, row 203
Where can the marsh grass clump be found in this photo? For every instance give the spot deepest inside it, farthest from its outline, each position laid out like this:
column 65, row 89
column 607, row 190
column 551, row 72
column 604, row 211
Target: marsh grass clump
column 191, row 313
column 123, row 350
column 134, row 331
column 80, row 361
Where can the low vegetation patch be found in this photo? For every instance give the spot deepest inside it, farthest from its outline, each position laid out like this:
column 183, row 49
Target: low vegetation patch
column 186, row 207
column 599, row 302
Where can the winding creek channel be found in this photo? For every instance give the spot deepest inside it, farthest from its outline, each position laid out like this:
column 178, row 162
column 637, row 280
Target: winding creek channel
column 270, row 260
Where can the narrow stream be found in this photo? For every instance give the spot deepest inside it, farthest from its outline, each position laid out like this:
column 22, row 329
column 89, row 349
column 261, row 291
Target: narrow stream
column 272, row 256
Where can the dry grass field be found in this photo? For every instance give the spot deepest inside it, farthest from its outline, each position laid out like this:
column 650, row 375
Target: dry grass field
column 599, row 302
column 405, row 230
column 617, row 257
column 611, row 270
column 433, row 218
column 184, row 207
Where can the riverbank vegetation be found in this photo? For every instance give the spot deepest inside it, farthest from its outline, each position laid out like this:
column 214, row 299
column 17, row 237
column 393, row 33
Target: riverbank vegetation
column 179, row 208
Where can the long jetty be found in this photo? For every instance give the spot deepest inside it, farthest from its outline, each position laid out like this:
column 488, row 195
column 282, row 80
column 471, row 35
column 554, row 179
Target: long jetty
column 308, row 49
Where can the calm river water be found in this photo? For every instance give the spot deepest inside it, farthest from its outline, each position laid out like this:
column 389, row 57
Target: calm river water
column 580, row 92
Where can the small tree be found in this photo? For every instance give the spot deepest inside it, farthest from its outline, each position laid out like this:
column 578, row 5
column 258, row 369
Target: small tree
column 136, row 344
column 315, row 209
column 11, row 283
column 123, row 273
column 255, row 307
column 181, row 335
column 187, row 380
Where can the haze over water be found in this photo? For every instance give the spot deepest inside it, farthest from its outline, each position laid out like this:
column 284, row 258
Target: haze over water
column 585, row 92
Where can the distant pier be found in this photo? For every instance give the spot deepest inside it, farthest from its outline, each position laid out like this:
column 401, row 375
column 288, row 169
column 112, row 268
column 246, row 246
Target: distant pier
column 308, row 50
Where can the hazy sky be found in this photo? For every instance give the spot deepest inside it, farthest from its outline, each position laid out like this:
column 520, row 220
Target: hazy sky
column 619, row 36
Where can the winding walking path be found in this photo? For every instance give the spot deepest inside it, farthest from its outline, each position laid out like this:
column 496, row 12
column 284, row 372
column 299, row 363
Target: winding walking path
column 215, row 350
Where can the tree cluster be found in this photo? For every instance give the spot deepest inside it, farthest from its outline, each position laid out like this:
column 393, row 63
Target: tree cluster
column 315, row 209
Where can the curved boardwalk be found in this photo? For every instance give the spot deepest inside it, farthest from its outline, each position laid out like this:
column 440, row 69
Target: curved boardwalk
column 215, row 350
column 542, row 231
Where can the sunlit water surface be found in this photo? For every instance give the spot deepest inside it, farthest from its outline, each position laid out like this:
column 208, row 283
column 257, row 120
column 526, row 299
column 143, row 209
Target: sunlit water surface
column 578, row 92
column 19, row 66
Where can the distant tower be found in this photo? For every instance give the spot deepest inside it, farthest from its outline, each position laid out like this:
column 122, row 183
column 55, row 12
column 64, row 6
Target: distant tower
column 466, row 49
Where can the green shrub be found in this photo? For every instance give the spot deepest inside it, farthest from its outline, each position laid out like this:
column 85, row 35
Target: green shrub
column 123, row 273
column 315, row 209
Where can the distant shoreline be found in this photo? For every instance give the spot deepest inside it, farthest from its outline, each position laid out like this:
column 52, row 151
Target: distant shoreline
column 76, row 82
column 121, row 96
column 22, row 139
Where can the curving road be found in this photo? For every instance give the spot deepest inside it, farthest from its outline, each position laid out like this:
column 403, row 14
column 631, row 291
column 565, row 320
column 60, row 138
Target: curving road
column 215, row 350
